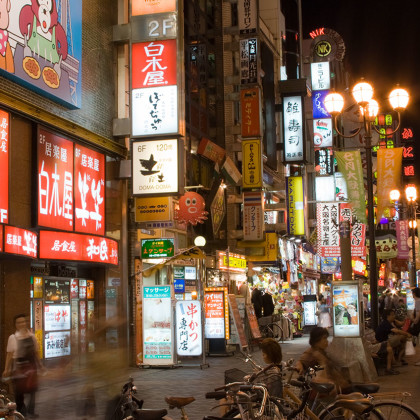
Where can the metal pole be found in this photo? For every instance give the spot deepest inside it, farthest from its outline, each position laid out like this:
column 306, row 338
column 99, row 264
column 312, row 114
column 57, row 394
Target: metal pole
column 373, row 281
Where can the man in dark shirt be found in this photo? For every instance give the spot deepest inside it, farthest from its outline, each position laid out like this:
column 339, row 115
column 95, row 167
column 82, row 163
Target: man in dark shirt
column 387, row 331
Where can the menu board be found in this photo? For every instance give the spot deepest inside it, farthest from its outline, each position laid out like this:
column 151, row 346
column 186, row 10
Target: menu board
column 346, row 309
column 157, row 325
column 216, row 313
column 237, row 320
column 189, row 336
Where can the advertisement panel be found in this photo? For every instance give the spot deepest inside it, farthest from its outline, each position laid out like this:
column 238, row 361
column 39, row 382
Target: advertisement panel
column 155, row 209
column 20, row 242
column 77, row 247
column 89, row 194
column 57, row 291
column 253, row 216
column 346, row 308
column 327, row 215
column 324, row 161
column 211, row 151
column 157, row 325
column 293, row 129
column 216, row 324
column 247, row 16
column 42, row 48
column 55, row 181
column 325, row 188
column 146, row 7
column 155, row 167
column 323, row 132
column 249, row 60
column 358, row 231
column 318, row 107
column 157, row 248
column 320, row 75
column 56, row 317
column 4, row 167
column 250, row 112
column 189, row 335
column 296, row 216
column 57, row 344
column 252, row 176
column 401, row 227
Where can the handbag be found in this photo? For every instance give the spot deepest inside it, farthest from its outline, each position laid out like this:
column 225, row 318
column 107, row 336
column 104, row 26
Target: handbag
column 409, row 348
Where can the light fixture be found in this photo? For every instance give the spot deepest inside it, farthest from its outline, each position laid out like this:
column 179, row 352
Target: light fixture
column 399, row 99
column 372, row 109
column 200, row 241
column 362, row 93
column 334, row 103
column 412, row 224
column 411, row 192
column 394, row 195
column 257, row 269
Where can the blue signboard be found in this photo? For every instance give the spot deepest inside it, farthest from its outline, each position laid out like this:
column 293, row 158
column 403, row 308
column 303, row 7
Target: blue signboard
column 318, row 106
column 41, row 47
column 179, row 285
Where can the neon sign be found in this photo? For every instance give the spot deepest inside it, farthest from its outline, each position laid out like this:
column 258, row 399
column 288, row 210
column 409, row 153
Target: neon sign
column 4, row 167
column 317, row 32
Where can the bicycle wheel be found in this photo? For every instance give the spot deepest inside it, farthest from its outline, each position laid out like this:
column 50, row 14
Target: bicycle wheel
column 395, row 410
column 339, row 413
column 16, row 416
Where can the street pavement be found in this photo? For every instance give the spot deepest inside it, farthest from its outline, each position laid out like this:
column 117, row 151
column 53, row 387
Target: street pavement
column 64, row 391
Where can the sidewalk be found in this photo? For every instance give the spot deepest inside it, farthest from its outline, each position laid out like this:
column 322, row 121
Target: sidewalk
column 59, row 397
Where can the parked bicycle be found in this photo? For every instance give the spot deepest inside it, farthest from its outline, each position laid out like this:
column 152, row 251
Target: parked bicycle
column 7, row 405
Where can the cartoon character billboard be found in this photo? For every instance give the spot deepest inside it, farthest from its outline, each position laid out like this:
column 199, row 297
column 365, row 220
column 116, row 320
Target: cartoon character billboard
column 346, row 309
column 41, row 47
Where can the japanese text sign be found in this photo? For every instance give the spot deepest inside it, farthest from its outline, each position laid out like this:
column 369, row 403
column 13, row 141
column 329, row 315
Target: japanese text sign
column 157, row 248
column 296, row 216
column 89, row 201
column 20, row 242
column 211, row 150
column 249, row 60
column 327, row 215
column 154, row 64
column 402, row 238
column 250, row 112
column 77, row 247
column 247, row 16
column 189, row 335
column 319, row 110
column 320, row 75
column 358, row 231
column 216, row 312
column 236, row 262
column 4, row 167
column 323, row 132
column 253, row 216
column 56, row 317
column 293, row 129
column 55, row 181
column 146, row 7
column 324, row 161
column 155, row 167
column 252, row 164
column 57, row 344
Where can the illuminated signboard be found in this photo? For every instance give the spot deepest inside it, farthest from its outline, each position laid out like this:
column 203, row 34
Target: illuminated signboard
column 409, row 170
column 250, row 112
column 57, row 344
column 252, row 176
column 77, row 247
column 89, row 201
column 249, row 60
column 216, row 309
column 56, row 317
column 324, row 188
column 346, row 308
column 157, row 325
column 20, row 241
column 295, row 209
column 293, row 129
column 145, row 7
column 318, row 106
column 1, row 238
column 320, row 75
column 157, row 248
column 55, row 181
column 247, row 16
column 236, row 262
column 189, row 335
column 323, row 132
column 327, row 215
column 4, row 167
column 324, row 161
column 155, row 167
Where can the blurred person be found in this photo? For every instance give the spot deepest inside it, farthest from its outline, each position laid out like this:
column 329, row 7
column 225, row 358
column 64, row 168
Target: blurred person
column 256, row 300
column 22, row 364
column 415, row 324
column 379, row 350
column 324, row 317
column 267, row 303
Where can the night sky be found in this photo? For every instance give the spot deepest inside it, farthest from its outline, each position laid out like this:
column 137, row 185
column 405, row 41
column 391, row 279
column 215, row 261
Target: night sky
column 382, row 41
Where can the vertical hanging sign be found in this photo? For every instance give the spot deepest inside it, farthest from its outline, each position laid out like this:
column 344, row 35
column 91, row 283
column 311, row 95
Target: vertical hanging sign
column 253, row 216
column 293, row 129
column 250, row 112
column 252, row 176
column 247, row 16
column 327, row 215
column 4, row 167
column 249, row 60
column 296, row 216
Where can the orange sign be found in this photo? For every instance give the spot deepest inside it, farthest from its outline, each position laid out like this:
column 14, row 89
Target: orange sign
column 250, row 112
column 148, row 7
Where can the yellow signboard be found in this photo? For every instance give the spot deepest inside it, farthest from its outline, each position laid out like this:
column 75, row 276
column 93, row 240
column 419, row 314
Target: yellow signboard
column 236, row 262
column 157, row 209
column 271, row 249
column 252, row 164
column 295, row 208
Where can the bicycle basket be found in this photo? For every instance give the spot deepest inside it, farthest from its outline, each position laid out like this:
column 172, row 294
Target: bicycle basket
column 234, row 375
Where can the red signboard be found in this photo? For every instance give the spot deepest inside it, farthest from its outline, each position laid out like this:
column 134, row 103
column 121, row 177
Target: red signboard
column 89, row 194
column 154, row 64
column 55, row 181
column 4, row 167
column 250, row 112
column 20, row 241
column 76, row 247
column 1, row 238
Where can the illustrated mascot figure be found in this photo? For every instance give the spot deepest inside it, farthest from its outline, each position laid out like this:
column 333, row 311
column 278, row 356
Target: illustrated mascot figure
column 44, row 38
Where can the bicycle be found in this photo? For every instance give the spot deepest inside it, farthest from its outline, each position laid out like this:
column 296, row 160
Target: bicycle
column 7, row 405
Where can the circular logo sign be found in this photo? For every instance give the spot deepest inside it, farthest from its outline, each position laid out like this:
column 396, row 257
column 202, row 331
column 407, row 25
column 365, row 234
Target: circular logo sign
column 323, row 48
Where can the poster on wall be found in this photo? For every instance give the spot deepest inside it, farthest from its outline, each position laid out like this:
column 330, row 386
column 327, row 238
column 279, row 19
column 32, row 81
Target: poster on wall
column 42, row 48
column 4, row 167
column 216, row 313
column 57, row 344
column 189, row 335
column 346, row 309
column 157, row 325
column 56, row 317
column 57, row 291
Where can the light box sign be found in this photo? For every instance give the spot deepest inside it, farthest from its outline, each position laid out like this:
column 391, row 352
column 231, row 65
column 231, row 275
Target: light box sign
column 157, row 325
column 247, row 16
column 325, row 188
column 216, row 313
column 293, row 129
column 319, row 110
column 55, row 181
column 253, row 215
column 20, row 242
column 189, row 333
column 320, row 75
column 235, row 262
column 323, row 132
column 47, row 58
column 324, row 161
column 146, row 7
column 327, row 215
column 89, row 201
column 155, row 167
column 346, row 307
column 1, row 238
column 4, row 167
column 57, row 344
column 56, row 317
column 296, row 216
column 157, row 248
column 249, row 60
column 153, row 209
column 252, row 172
column 77, row 247
column 250, row 112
